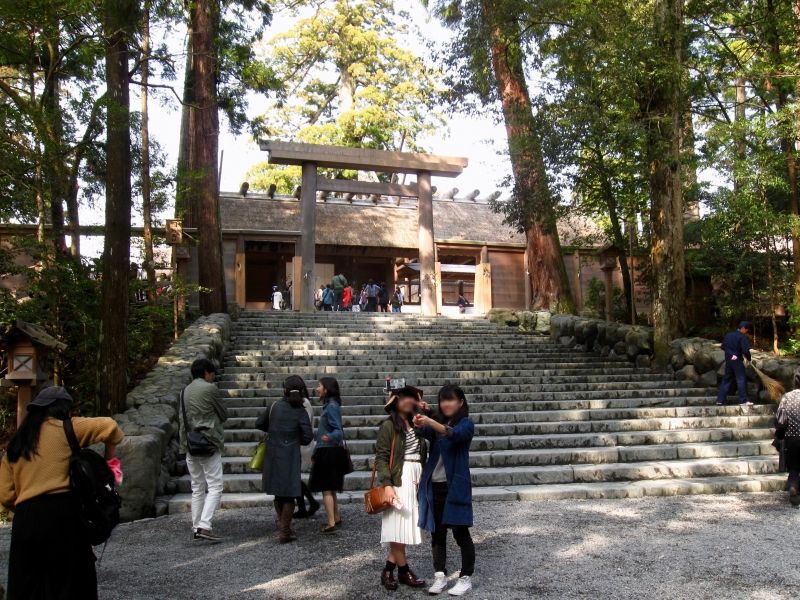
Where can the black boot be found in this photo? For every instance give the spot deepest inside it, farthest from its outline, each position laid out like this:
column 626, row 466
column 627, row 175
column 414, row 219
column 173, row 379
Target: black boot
column 301, row 512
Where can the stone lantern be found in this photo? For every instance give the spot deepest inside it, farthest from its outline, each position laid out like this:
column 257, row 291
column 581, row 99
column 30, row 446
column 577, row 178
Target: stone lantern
column 26, row 346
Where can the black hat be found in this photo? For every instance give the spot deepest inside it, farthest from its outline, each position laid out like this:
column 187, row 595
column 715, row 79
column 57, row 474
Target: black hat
column 49, row 395
column 747, row 325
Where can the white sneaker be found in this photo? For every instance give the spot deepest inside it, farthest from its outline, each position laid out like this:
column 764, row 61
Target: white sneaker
column 462, row 586
column 439, row 584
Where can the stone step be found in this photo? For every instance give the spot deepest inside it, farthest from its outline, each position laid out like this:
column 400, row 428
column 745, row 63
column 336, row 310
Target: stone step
column 572, row 456
column 353, row 389
column 557, row 474
column 371, row 372
column 244, row 416
column 547, row 428
column 262, row 394
column 568, row 440
column 534, row 416
column 465, row 378
column 551, row 422
column 605, row 490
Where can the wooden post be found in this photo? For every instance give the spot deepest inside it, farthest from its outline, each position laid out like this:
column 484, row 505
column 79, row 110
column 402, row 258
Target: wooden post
column 439, row 300
column 485, row 274
column 578, row 280
column 297, row 276
column 24, row 393
column 427, row 250
column 527, row 279
column 308, row 239
column 609, row 267
column 239, row 274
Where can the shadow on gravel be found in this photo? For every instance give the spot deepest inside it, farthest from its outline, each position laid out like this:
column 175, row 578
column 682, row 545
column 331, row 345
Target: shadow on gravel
column 693, row 548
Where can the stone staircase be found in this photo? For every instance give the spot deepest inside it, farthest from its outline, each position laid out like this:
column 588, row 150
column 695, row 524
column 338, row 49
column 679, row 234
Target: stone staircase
column 550, row 422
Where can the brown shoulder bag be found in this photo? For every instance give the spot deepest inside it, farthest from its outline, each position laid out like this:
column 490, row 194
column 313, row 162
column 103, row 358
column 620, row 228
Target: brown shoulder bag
column 376, row 500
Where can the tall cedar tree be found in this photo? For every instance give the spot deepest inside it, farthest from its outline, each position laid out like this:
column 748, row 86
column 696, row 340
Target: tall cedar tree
column 147, row 203
column 202, row 195
column 549, row 283
column 662, row 107
column 113, row 355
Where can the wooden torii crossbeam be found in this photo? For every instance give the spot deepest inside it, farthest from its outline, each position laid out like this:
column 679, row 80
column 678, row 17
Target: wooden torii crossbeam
column 313, row 156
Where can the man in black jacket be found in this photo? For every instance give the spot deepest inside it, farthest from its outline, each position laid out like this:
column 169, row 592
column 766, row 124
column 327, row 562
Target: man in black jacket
column 736, row 346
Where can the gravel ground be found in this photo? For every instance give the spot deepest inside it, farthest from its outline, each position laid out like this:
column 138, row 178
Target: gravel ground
column 690, row 547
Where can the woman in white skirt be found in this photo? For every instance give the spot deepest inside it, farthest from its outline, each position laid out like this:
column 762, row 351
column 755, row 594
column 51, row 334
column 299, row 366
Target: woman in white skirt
column 400, row 471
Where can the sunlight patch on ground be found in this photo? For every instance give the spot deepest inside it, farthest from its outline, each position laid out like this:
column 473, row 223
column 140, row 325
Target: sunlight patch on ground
column 305, row 579
column 588, row 546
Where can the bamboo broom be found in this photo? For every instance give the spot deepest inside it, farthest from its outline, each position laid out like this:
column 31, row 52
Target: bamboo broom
column 774, row 388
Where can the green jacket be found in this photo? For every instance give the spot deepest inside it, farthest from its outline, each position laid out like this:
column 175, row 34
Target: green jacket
column 339, row 282
column 383, row 450
column 205, row 412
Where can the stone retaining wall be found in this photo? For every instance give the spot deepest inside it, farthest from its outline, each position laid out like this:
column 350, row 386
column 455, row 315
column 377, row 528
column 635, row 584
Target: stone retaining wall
column 149, row 452
column 698, row 359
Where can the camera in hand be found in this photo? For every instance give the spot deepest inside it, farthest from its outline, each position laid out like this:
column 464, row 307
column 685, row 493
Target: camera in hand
column 393, row 384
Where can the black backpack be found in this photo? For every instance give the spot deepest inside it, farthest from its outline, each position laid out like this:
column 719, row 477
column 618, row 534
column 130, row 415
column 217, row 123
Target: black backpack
column 92, row 482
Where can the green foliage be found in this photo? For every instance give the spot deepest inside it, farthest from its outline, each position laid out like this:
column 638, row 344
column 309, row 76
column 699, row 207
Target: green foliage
column 347, row 80
column 286, row 179
column 596, row 297
column 63, row 296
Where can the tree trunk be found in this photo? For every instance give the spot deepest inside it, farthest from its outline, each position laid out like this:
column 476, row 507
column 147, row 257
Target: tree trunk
column 204, row 128
column 345, row 91
column 149, row 259
column 663, row 113
column 52, row 162
column 787, row 142
column 185, row 142
column 73, row 213
column 691, row 198
column 740, row 117
column 618, row 236
column 550, row 288
column 113, row 357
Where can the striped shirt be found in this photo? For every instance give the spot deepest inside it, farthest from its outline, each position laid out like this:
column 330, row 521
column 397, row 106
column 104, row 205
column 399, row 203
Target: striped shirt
column 412, row 446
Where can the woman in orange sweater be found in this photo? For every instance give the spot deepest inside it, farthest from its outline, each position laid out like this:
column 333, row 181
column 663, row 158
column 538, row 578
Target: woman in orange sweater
column 51, row 556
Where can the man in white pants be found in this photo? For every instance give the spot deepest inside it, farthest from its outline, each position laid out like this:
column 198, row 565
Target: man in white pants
column 206, row 413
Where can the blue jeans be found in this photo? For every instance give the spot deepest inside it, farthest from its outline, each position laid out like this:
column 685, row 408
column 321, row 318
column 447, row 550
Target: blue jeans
column 734, row 370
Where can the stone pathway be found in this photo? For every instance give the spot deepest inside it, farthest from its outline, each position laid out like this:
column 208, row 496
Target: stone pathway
column 691, row 547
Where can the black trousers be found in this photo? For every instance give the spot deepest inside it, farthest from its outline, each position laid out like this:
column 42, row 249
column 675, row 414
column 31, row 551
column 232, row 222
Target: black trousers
column 791, row 450
column 301, row 500
column 734, row 371
column 439, row 539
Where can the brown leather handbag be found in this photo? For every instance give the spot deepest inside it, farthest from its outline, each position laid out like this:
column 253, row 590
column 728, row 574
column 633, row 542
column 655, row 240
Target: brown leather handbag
column 376, row 500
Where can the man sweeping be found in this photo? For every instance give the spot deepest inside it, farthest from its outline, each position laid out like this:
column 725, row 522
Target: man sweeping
column 736, row 346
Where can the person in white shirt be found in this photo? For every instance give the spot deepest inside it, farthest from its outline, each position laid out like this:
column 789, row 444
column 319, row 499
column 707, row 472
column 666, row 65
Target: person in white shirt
column 277, row 298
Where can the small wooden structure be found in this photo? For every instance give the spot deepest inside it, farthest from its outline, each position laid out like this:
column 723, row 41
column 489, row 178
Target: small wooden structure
column 310, row 157
column 26, row 346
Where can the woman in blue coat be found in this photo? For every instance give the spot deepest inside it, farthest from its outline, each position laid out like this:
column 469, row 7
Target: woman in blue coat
column 445, row 490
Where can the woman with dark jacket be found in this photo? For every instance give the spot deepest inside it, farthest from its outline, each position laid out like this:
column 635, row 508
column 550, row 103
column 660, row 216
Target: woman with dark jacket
column 787, row 438
column 330, row 457
column 402, row 474
column 288, row 426
column 445, row 491
column 51, row 555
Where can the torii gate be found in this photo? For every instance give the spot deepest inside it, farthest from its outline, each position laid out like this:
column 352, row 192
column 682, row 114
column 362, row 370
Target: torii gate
column 312, row 156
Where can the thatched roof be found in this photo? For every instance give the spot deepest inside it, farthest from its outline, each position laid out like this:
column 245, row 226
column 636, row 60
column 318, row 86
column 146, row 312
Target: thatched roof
column 366, row 224
column 387, row 224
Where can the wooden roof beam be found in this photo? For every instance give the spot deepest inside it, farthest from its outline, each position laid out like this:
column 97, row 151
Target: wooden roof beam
column 368, row 188
column 362, row 159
